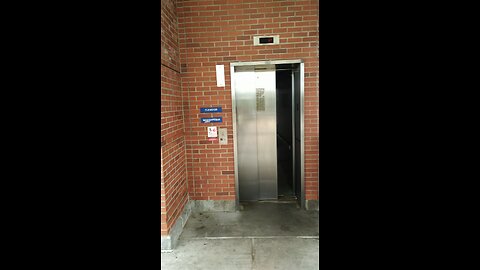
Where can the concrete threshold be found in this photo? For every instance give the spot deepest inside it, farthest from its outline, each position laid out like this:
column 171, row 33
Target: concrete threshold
column 278, row 201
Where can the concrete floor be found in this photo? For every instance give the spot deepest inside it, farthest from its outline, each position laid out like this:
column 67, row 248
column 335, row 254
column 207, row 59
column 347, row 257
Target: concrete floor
column 264, row 235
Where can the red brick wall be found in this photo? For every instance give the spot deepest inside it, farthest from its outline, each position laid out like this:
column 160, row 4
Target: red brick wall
column 213, row 32
column 174, row 192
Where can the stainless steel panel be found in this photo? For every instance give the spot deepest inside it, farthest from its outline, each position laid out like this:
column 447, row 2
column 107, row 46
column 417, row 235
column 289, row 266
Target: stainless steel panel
column 302, row 133
column 293, row 136
column 234, row 129
column 246, row 121
column 297, row 139
column 266, row 132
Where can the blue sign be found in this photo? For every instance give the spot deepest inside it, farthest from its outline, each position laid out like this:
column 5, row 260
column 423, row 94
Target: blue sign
column 211, row 120
column 211, row 110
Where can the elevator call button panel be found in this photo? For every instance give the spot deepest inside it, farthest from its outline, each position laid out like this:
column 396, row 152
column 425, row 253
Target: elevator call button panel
column 222, row 135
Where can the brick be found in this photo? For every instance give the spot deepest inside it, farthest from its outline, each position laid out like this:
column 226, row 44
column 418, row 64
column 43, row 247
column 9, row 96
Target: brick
column 280, row 51
column 220, row 32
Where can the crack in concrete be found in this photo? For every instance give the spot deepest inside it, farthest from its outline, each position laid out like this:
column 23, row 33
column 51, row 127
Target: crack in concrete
column 253, row 253
column 251, row 237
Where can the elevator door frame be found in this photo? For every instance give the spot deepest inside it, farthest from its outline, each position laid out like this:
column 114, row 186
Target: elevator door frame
column 234, row 116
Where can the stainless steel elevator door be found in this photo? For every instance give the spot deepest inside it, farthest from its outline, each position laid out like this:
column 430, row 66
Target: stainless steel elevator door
column 246, row 134
column 256, row 132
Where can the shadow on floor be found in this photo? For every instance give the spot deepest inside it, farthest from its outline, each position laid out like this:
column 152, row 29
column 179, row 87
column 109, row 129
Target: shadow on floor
column 264, row 235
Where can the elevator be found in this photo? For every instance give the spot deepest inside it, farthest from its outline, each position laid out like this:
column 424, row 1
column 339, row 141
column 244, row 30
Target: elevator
column 267, row 100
